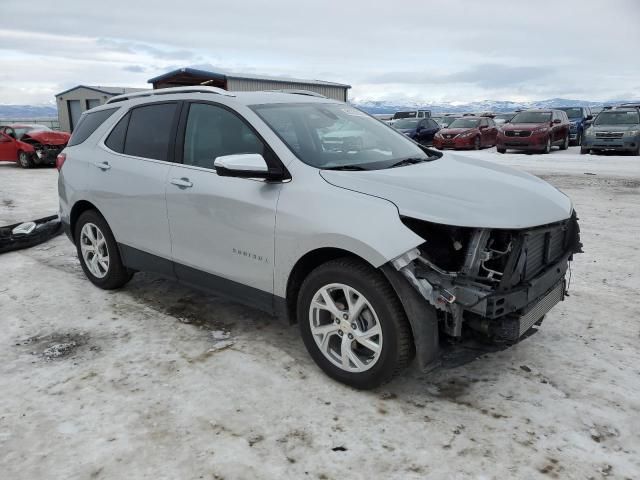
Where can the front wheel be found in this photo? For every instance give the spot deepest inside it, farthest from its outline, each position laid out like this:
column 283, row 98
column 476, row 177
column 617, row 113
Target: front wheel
column 584, row 150
column 98, row 252
column 353, row 324
column 476, row 143
column 565, row 144
column 501, row 150
column 547, row 147
column 25, row 160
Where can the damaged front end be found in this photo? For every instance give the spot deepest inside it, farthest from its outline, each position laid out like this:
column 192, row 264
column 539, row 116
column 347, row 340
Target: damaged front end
column 46, row 145
column 497, row 282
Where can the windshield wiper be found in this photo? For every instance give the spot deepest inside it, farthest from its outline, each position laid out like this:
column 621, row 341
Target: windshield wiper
column 346, row 167
column 408, row 161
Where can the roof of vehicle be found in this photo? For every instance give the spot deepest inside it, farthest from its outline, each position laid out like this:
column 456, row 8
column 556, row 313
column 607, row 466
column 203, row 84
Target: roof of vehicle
column 244, row 98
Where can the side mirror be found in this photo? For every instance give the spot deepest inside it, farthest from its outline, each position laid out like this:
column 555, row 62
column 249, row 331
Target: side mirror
column 557, row 120
column 588, row 122
column 245, row 165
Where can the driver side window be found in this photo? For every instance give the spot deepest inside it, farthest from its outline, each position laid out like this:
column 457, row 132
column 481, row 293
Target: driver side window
column 212, row 132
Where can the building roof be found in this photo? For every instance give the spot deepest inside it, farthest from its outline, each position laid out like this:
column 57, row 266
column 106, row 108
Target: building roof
column 205, row 75
column 105, row 90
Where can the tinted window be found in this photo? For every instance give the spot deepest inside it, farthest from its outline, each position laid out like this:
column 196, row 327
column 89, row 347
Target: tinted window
column 115, row 140
column 88, row 124
column 613, row 117
column 573, row 112
column 213, row 132
column 433, row 124
column 149, row 131
column 531, row 117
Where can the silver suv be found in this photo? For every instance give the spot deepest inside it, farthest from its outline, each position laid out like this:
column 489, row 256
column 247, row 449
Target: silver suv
column 308, row 209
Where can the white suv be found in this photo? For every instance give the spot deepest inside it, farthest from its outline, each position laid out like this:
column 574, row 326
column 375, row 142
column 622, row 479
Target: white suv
column 375, row 245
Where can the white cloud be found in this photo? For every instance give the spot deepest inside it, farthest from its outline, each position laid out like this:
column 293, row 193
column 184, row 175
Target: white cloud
column 463, row 50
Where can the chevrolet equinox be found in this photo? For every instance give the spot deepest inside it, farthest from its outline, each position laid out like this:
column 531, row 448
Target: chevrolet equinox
column 311, row 210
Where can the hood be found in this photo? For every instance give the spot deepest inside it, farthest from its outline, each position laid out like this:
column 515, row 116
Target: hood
column 454, row 131
column 524, row 126
column 615, row 128
column 462, row 192
column 48, row 138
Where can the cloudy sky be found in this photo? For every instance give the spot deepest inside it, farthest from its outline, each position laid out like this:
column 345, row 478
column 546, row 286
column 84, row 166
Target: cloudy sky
column 455, row 51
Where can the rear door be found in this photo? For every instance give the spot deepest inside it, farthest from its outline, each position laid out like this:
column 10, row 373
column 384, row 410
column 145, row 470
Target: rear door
column 129, row 178
column 8, row 149
column 222, row 228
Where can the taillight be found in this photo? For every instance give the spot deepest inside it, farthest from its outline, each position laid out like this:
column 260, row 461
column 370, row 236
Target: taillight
column 60, row 160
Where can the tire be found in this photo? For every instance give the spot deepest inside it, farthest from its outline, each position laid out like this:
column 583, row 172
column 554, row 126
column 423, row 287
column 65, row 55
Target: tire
column 25, row 160
column 115, row 274
column 584, row 150
column 565, row 143
column 392, row 347
column 547, row 147
column 578, row 140
column 477, row 144
column 501, row 150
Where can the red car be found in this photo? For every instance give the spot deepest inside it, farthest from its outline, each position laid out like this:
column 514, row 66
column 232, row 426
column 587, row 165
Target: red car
column 467, row 132
column 535, row 130
column 30, row 144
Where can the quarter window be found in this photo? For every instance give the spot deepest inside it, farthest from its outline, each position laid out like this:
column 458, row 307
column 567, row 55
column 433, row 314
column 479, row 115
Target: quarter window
column 115, row 140
column 149, row 131
column 212, row 132
column 88, row 124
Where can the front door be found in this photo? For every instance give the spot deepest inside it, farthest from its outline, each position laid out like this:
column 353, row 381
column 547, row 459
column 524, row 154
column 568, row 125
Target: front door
column 222, row 228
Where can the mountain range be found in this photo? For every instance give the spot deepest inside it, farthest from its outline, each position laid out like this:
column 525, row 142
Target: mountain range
column 370, row 106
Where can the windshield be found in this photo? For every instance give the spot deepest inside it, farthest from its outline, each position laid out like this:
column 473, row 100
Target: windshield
column 464, row 123
column 405, row 115
column 330, row 135
column 446, row 121
column 531, row 117
column 617, row 118
column 406, row 123
column 572, row 112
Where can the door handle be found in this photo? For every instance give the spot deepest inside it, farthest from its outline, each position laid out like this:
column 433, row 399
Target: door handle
column 103, row 165
column 182, row 182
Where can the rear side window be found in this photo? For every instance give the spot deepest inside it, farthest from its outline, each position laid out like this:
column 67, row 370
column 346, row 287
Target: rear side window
column 149, row 131
column 115, row 140
column 88, row 124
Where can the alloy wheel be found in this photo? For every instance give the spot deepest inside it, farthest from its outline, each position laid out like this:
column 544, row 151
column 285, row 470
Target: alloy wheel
column 95, row 253
column 345, row 327
column 24, row 160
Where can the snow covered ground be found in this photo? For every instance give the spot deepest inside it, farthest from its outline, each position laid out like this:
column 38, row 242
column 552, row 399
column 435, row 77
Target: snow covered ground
column 158, row 381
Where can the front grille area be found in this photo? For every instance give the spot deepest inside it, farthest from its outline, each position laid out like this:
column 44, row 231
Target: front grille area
column 518, row 133
column 609, row 134
column 449, row 136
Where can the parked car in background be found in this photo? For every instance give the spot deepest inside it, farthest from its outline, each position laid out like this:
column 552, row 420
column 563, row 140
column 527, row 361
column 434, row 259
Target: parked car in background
column 410, row 114
column 578, row 119
column 502, row 118
column 375, row 253
column 535, row 131
column 617, row 129
column 422, row 130
column 31, row 144
column 467, row 133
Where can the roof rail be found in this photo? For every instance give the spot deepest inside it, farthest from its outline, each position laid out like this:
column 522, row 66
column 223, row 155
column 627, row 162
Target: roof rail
column 169, row 91
column 295, row 91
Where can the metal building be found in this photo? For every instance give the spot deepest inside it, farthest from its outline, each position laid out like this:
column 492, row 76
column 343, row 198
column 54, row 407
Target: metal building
column 71, row 103
column 247, row 83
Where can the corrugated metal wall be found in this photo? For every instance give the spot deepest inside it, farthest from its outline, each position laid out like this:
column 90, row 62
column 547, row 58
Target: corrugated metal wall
column 251, row 85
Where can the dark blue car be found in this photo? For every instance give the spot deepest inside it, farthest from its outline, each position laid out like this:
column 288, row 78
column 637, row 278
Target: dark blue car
column 577, row 117
column 421, row 130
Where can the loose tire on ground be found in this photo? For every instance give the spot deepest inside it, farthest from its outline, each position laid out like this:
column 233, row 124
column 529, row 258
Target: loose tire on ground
column 115, row 275
column 386, row 313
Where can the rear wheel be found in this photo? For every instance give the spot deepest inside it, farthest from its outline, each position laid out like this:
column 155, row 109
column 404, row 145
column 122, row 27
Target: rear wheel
column 25, row 160
column 353, row 324
column 565, row 144
column 98, row 252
